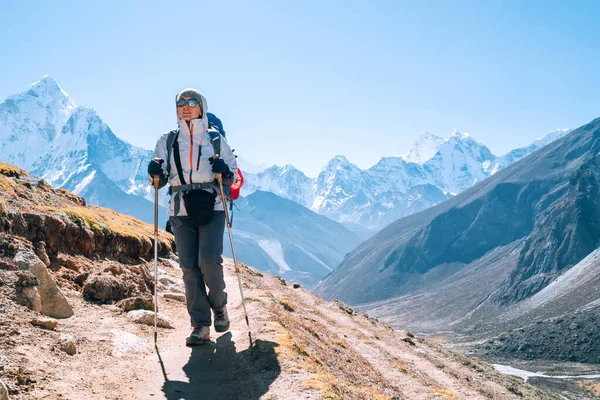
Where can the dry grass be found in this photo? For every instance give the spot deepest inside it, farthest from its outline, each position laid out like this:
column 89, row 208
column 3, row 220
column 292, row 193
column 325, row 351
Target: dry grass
column 99, row 219
column 326, row 383
column 8, row 185
column 307, row 345
column 287, row 305
column 372, row 394
column 445, row 394
column 402, row 368
column 592, row 387
column 12, row 171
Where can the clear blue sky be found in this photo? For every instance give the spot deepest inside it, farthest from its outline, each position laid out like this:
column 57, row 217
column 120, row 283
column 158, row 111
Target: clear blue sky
column 299, row 82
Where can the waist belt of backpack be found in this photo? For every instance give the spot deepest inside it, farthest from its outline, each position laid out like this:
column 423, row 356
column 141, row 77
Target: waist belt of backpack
column 185, row 187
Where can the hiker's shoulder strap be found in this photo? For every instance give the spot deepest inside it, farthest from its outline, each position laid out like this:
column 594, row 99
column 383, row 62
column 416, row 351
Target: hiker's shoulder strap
column 177, row 156
column 215, row 140
column 170, row 139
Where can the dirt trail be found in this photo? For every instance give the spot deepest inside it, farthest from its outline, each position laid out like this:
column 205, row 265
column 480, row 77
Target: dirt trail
column 304, row 348
column 219, row 369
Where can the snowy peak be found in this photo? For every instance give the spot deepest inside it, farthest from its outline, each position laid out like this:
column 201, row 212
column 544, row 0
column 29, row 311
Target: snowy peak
column 33, row 118
column 250, row 167
column 287, row 182
column 425, row 147
column 458, row 134
column 338, row 163
column 45, row 92
column 551, row 137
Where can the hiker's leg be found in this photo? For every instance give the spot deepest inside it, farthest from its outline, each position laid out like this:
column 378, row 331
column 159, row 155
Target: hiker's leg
column 211, row 262
column 186, row 238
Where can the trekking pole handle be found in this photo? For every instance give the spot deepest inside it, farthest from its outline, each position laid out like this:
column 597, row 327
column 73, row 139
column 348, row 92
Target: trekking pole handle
column 156, row 178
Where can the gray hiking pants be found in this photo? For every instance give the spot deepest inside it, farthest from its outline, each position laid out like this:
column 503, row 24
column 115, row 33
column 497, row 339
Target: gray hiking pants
column 200, row 249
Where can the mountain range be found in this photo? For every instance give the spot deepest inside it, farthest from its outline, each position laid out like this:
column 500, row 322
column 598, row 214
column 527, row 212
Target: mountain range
column 69, row 146
column 515, row 250
column 434, row 170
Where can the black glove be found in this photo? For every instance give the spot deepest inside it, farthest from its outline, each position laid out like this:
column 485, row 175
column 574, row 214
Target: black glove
column 219, row 167
column 154, row 169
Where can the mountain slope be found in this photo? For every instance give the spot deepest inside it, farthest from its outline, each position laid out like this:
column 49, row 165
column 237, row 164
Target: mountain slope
column 536, row 219
column 271, row 233
column 302, row 347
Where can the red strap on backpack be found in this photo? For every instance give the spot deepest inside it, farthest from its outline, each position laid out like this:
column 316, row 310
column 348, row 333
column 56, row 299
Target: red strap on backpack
column 234, row 189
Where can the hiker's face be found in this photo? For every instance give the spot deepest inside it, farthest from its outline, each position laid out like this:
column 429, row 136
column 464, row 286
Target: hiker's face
column 188, row 113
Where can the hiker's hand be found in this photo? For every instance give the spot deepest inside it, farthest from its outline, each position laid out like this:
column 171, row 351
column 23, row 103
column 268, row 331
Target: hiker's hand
column 154, row 168
column 219, row 167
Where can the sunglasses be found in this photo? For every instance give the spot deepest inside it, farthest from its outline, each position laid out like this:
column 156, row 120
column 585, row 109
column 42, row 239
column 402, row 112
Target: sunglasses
column 191, row 102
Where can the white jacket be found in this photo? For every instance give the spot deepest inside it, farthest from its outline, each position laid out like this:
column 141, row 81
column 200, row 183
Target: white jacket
column 190, row 142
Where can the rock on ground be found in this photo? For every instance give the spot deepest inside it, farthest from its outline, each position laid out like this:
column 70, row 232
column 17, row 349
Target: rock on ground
column 105, row 288
column 3, row 391
column 147, row 318
column 137, row 303
column 54, row 304
column 46, row 323
column 67, row 344
column 175, row 296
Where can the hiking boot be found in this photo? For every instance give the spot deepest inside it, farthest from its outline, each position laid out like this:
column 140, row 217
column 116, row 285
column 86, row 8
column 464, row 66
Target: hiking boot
column 221, row 319
column 198, row 335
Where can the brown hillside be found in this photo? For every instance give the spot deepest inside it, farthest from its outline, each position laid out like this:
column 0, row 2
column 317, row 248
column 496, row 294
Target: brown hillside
column 304, row 347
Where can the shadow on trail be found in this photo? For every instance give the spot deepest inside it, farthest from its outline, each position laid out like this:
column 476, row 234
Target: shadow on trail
column 216, row 371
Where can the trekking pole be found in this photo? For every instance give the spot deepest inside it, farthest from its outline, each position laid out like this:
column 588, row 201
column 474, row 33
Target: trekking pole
column 235, row 261
column 156, row 179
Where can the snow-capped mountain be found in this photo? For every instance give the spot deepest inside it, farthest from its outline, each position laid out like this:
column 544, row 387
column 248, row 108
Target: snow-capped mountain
column 287, row 182
column 458, row 164
column 395, row 187
column 425, row 147
column 434, row 170
column 248, row 167
column 45, row 132
column 30, row 121
column 517, row 154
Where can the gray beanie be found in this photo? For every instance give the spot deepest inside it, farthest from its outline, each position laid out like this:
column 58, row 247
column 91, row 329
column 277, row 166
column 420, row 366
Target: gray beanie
column 194, row 94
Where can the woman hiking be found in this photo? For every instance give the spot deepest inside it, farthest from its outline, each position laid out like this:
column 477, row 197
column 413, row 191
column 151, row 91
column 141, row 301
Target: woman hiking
column 196, row 211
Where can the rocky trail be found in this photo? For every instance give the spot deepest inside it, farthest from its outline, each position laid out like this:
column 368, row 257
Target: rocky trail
column 304, row 348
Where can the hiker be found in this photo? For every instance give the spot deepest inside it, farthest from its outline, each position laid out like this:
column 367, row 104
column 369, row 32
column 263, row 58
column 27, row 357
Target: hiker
column 196, row 211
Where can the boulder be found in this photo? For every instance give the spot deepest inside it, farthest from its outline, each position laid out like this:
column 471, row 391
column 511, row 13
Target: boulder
column 54, row 304
column 105, row 288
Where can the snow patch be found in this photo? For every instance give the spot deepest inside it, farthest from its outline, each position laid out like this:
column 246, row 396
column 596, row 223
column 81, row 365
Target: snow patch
column 79, row 188
column 274, row 249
